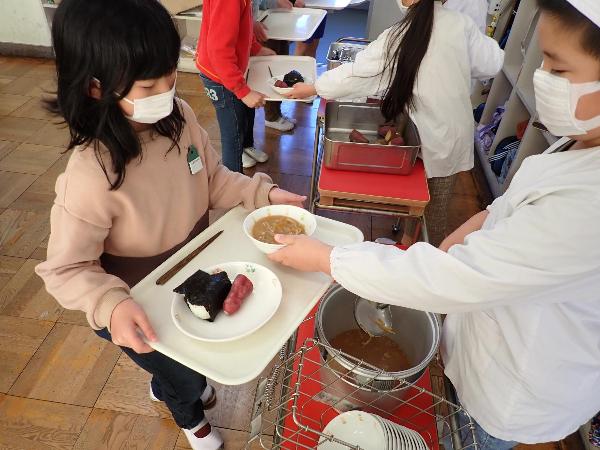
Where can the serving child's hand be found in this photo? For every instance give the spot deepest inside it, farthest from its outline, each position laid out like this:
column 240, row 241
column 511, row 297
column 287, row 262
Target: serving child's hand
column 254, row 100
column 302, row 90
column 303, row 253
column 128, row 318
column 265, row 51
column 280, row 197
column 286, row 4
column 299, row 4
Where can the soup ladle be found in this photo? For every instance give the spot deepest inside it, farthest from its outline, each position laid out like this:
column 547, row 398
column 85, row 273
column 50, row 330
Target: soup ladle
column 373, row 318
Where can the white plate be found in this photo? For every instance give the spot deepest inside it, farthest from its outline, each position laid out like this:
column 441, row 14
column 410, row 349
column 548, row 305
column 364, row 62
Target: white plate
column 296, row 24
column 258, row 76
column 405, row 438
column 283, row 91
column 387, row 433
column 327, row 4
column 356, row 428
column 256, row 310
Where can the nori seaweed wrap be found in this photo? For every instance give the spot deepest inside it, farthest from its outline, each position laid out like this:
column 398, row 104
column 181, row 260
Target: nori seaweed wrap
column 293, row 77
column 205, row 294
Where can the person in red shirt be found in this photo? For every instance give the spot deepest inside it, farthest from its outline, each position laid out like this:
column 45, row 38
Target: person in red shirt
column 224, row 48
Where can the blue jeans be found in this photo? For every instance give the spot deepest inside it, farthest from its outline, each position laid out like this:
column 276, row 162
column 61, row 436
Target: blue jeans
column 484, row 439
column 177, row 385
column 236, row 122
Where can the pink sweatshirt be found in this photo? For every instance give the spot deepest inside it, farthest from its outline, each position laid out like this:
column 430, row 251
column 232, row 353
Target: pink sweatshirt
column 154, row 210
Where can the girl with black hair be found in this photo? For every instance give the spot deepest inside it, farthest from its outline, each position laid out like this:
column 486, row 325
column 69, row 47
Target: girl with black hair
column 137, row 187
column 519, row 282
column 423, row 65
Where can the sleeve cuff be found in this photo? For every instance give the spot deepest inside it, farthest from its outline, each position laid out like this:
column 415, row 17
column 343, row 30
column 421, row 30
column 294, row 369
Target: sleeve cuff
column 262, row 194
column 106, row 306
column 242, row 92
column 334, row 262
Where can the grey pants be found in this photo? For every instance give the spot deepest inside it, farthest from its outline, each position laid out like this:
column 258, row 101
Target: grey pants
column 436, row 213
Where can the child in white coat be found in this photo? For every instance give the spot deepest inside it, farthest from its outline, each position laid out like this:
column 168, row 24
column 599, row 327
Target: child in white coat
column 520, row 282
column 423, row 65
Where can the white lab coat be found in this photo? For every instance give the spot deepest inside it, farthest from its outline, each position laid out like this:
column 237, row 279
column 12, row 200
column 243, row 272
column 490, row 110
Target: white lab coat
column 475, row 9
column 521, row 342
column 458, row 51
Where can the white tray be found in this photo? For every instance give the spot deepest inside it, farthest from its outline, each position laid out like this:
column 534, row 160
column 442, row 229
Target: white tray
column 240, row 361
column 258, row 75
column 327, row 4
column 296, row 24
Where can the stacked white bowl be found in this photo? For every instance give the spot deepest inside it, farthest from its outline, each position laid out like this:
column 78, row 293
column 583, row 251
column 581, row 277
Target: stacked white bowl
column 369, row 432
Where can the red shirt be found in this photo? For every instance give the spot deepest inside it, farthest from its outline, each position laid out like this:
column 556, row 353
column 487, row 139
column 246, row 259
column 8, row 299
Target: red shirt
column 226, row 42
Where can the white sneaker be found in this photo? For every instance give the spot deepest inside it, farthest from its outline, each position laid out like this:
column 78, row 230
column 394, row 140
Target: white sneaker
column 290, row 119
column 256, row 155
column 212, row 441
column 281, row 124
column 247, row 161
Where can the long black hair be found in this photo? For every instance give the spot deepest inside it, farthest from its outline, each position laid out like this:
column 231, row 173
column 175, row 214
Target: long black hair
column 571, row 17
column 116, row 42
column 406, row 47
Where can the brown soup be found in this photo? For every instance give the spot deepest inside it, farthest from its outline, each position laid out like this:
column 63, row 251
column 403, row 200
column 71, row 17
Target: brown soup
column 266, row 228
column 381, row 352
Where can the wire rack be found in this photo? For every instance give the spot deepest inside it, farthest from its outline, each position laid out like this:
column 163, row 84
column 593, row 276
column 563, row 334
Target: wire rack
column 306, row 389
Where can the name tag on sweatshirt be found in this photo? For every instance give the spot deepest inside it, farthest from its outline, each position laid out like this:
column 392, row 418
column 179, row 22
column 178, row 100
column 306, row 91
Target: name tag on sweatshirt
column 194, row 161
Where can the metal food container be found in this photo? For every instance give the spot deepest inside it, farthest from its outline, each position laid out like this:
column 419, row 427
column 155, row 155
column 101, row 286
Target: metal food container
column 345, row 50
column 341, row 154
column 417, row 333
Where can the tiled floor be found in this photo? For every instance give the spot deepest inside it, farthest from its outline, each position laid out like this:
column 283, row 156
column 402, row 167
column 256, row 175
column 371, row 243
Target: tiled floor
column 60, row 386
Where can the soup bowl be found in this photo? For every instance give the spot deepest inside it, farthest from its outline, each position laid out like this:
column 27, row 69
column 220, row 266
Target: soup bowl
column 293, row 212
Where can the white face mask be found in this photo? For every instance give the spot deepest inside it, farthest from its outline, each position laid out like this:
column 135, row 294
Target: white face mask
column 556, row 100
column 152, row 109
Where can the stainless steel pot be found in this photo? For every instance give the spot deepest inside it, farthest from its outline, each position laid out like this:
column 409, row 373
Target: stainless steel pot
column 416, row 332
column 339, row 154
column 345, row 50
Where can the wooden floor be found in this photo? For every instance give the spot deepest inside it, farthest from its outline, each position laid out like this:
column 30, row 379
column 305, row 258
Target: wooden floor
column 61, row 387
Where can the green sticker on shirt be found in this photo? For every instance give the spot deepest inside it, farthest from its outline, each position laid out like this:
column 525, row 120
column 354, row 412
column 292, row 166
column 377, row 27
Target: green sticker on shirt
column 193, row 160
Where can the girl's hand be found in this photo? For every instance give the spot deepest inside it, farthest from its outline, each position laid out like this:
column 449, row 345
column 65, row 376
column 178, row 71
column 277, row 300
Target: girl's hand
column 303, row 253
column 302, row 90
column 299, row 4
column 254, row 100
column 260, row 31
column 285, row 4
column 266, row 51
column 280, row 197
column 127, row 320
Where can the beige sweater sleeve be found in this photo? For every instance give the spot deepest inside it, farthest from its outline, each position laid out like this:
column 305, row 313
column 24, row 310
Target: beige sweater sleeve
column 72, row 272
column 226, row 188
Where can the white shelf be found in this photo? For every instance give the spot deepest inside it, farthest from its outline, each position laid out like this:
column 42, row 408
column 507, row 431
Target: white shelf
column 533, row 60
column 514, row 87
column 528, row 99
column 499, row 94
column 512, row 72
column 515, row 113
